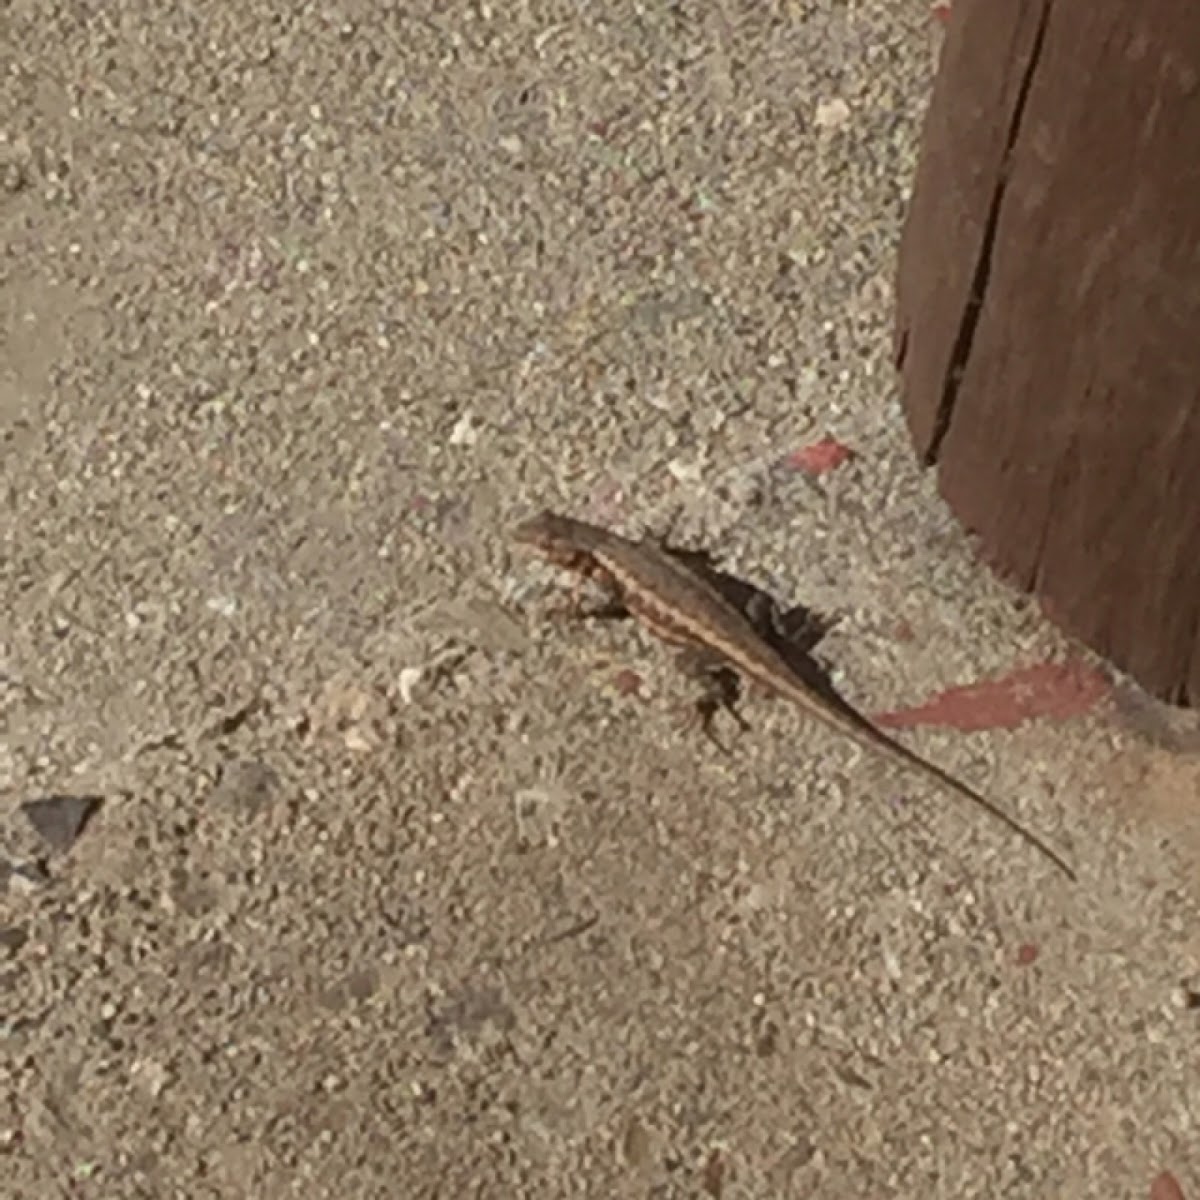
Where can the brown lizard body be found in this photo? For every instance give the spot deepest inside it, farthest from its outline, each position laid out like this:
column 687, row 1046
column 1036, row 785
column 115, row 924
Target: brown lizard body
column 678, row 605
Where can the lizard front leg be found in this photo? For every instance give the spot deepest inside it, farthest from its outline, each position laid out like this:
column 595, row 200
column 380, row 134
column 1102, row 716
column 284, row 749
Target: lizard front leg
column 607, row 605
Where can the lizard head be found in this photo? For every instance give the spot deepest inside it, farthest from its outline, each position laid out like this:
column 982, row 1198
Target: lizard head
column 562, row 540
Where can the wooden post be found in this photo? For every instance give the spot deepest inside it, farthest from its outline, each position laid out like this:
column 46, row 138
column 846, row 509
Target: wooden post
column 1048, row 323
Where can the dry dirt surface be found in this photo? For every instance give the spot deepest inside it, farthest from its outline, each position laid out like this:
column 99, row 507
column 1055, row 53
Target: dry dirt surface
column 333, row 864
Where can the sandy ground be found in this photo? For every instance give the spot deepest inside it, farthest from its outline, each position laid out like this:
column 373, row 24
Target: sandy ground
column 399, row 887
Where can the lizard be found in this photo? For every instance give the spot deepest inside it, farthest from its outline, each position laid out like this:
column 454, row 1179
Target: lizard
column 674, row 601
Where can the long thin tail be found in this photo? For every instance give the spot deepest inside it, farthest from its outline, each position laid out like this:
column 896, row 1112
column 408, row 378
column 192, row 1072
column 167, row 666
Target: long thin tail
column 838, row 715
column 969, row 793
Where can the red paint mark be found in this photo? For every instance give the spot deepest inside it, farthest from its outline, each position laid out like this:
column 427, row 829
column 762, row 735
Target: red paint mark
column 940, row 13
column 627, row 682
column 1053, row 691
column 1166, row 1187
column 1027, row 954
column 819, row 458
column 713, row 1178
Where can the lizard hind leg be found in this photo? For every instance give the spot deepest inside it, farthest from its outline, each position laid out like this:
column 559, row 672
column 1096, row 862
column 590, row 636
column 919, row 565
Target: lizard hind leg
column 720, row 690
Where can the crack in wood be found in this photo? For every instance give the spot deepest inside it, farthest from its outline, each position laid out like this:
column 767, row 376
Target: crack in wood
column 965, row 337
